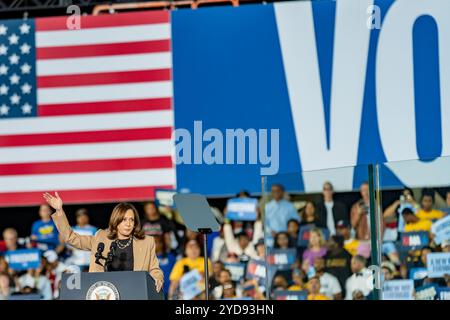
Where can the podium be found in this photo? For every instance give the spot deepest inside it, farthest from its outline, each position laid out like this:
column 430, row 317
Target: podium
column 116, row 285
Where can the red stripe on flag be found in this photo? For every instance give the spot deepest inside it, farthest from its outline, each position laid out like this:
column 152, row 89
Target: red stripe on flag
column 86, row 166
column 103, row 78
column 83, row 195
column 85, row 137
column 104, row 107
column 102, row 49
column 107, row 20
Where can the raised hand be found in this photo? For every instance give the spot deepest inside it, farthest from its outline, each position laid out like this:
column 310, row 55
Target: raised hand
column 54, row 201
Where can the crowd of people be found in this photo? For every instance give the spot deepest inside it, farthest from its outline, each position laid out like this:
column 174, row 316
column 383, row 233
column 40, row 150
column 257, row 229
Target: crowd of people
column 313, row 251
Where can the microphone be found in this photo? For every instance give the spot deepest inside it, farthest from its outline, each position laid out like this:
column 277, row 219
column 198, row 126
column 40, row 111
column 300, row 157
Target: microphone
column 98, row 254
column 111, row 253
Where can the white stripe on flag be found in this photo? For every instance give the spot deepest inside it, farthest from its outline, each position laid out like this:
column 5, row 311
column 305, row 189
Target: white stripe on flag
column 107, row 121
column 104, row 35
column 128, row 62
column 106, row 179
column 110, row 92
column 87, row 151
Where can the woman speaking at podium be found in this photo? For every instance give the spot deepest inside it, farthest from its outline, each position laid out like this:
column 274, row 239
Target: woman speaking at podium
column 134, row 251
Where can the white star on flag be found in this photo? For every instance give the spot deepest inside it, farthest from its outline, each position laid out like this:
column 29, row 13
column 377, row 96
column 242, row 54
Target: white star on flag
column 3, row 29
column 25, row 48
column 25, row 68
column 26, row 88
column 24, row 28
column 14, row 99
column 4, row 110
column 3, row 89
column 14, row 59
column 3, row 70
column 26, row 108
column 13, row 39
column 14, row 79
column 3, row 50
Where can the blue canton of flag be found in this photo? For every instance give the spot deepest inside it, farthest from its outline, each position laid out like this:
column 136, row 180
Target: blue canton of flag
column 17, row 69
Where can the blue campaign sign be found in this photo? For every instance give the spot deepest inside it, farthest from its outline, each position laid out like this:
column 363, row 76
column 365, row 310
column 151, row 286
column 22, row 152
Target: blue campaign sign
column 303, row 235
column 441, row 229
column 414, row 240
column 164, row 197
column 242, row 209
column 282, row 258
column 256, row 269
column 290, row 295
column 191, row 284
column 237, row 270
column 23, row 259
column 398, row 290
column 443, row 293
column 438, row 264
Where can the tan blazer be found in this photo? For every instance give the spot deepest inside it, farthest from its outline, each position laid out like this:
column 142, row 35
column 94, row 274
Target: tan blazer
column 143, row 250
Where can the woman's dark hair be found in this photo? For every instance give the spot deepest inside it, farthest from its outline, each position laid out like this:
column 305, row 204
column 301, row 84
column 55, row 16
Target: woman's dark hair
column 277, row 236
column 117, row 217
column 303, row 211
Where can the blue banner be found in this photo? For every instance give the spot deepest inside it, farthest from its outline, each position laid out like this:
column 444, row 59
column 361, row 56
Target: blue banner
column 326, row 81
column 282, row 258
column 23, row 259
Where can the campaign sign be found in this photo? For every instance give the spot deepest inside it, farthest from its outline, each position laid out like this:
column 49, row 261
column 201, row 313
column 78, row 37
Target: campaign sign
column 426, row 292
column 242, row 209
column 282, row 258
column 191, row 284
column 398, row 290
column 443, row 293
column 256, row 269
column 290, row 295
column 418, row 273
column 237, row 270
column 441, row 229
column 303, row 238
column 414, row 240
column 164, row 197
column 438, row 264
column 23, row 259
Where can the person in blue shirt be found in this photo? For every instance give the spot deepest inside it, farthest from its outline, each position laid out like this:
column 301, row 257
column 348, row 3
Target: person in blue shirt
column 79, row 257
column 43, row 231
column 278, row 212
column 166, row 261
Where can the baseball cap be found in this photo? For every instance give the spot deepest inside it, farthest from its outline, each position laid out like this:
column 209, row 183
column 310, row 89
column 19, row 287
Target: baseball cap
column 342, row 224
column 50, row 255
column 445, row 243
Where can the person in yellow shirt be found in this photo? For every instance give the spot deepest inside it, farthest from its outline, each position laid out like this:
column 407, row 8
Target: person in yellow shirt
column 350, row 244
column 313, row 287
column 192, row 261
column 427, row 211
column 413, row 223
column 297, row 278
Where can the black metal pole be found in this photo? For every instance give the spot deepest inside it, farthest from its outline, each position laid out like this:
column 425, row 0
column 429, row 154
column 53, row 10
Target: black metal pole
column 374, row 247
column 205, row 233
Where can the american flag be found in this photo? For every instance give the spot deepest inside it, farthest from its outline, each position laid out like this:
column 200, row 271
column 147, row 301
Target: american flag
column 86, row 112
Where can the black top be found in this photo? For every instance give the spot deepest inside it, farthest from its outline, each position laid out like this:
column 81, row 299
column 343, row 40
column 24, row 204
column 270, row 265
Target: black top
column 123, row 259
